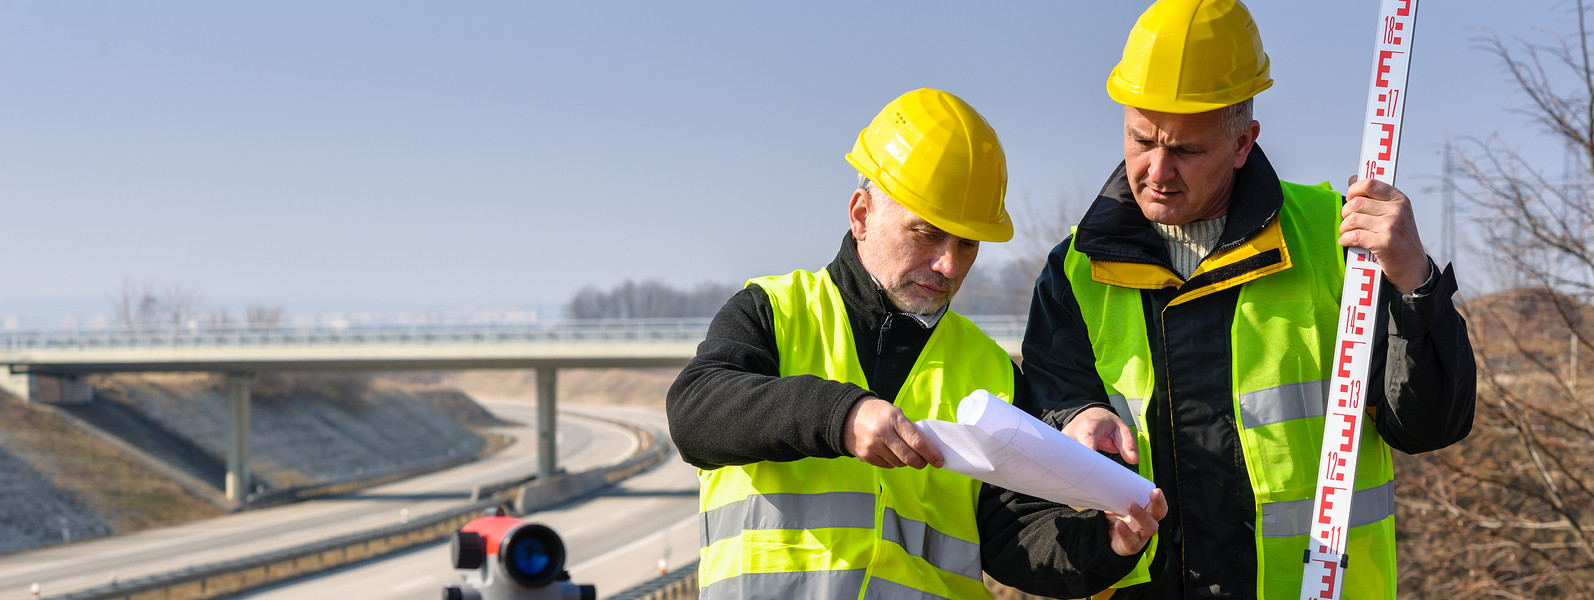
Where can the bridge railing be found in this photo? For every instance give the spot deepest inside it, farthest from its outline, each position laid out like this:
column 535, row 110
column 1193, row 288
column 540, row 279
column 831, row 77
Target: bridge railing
column 605, row 331
column 571, row 331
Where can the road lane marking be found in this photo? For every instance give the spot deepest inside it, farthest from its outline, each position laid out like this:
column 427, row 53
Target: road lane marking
column 656, row 536
column 414, row 583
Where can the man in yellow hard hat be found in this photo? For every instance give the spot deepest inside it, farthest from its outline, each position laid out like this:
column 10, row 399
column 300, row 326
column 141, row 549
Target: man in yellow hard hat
column 799, row 407
column 1186, row 324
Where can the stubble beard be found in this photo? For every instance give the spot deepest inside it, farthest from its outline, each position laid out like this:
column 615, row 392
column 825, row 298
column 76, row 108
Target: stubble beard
column 908, row 296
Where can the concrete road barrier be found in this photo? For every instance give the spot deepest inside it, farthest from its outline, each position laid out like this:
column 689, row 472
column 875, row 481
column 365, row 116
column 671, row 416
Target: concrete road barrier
column 680, row 584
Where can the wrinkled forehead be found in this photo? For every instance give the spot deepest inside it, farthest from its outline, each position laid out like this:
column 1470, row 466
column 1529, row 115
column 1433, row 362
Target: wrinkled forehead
column 1153, row 123
column 900, row 214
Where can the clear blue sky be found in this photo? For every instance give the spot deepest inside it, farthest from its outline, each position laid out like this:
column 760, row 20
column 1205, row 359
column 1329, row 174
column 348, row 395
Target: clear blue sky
column 394, row 155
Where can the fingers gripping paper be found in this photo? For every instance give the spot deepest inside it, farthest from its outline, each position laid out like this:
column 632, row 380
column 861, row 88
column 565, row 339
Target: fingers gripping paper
column 996, row 443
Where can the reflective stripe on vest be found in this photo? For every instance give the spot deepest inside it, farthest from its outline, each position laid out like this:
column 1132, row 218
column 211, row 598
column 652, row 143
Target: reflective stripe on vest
column 1287, row 402
column 1277, row 405
column 1290, row 519
column 810, row 584
column 1129, row 410
column 920, row 539
column 1280, row 341
column 782, row 586
column 828, row 528
column 840, row 509
column 787, row 511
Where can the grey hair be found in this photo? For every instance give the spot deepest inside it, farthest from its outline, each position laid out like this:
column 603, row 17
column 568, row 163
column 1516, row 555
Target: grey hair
column 869, row 186
column 1236, row 117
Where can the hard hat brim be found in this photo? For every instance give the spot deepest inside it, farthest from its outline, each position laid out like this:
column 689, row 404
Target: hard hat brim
column 1185, row 104
column 999, row 231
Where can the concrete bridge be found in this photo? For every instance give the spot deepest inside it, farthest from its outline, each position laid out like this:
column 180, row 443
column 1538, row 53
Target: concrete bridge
column 48, row 366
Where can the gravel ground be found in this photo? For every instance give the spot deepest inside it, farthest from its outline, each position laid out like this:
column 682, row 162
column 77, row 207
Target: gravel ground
column 36, row 511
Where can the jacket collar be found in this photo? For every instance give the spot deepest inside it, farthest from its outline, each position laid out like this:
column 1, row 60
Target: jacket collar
column 1115, row 230
column 1126, row 251
column 857, row 286
column 861, row 291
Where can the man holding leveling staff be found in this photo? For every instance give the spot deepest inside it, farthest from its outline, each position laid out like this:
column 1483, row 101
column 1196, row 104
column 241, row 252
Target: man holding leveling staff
column 1187, row 324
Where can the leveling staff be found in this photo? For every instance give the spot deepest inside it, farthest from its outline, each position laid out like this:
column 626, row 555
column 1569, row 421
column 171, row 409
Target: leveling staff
column 799, row 406
column 1197, row 302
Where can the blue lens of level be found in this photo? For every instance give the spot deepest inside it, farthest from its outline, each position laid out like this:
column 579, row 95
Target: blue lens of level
column 529, row 556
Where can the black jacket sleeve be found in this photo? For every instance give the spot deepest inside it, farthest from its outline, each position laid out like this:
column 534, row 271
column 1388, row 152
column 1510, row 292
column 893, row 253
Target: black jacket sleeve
column 1031, row 544
column 1429, row 380
column 730, row 406
column 1060, row 378
column 1045, row 548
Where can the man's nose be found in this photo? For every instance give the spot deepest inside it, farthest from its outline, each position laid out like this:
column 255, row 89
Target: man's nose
column 946, row 260
column 1161, row 168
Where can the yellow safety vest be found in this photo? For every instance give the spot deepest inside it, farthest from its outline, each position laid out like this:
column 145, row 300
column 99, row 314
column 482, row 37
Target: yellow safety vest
column 1282, row 338
column 838, row 527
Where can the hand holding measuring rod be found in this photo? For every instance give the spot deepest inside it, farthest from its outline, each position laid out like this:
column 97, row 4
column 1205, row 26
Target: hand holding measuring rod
column 1378, row 217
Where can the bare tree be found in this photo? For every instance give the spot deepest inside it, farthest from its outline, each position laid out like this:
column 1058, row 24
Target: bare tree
column 143, row 305
column 264, row 317
column 219, row 318
column 1043, row 226
column 180, row 304
column 997, row 288
column 1005, row 288
column 648, row 299
column 135, row 304
column 1510, row 512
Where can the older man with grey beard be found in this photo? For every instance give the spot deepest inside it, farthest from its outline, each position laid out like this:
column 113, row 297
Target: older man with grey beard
column 799, row 408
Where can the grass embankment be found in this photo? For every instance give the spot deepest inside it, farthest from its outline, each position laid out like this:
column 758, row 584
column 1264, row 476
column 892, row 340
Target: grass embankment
column 309, row 428
column 306, row 429
column 125, row 495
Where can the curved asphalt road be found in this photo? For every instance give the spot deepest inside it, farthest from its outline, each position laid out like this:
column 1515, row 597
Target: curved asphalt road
column 615, row 540
column 63, row 569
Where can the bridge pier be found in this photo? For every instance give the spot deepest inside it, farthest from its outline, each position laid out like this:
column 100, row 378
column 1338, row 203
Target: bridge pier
column 52, row 389
column 19, row 385
column 547, row 380
column 238, row 436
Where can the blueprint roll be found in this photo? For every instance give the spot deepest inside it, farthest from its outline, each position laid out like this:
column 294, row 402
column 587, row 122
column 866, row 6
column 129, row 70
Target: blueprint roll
column 994, row 442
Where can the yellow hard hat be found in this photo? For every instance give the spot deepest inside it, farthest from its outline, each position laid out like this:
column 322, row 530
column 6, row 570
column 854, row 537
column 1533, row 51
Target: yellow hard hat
column 934, row 155
column 1191, row 56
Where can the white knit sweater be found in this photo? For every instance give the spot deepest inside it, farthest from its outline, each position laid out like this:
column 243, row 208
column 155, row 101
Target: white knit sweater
column 1190, row 242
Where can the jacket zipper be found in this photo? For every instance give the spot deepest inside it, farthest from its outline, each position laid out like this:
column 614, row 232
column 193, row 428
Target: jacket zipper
column 880, row 350
column 879, row 516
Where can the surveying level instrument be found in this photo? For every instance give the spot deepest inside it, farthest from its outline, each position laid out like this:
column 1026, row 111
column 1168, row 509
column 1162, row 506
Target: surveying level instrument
column 504, row 558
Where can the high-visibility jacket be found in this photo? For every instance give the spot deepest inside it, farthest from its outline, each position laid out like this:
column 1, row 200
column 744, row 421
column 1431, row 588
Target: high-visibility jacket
column 1280, row 344
column 838, row 527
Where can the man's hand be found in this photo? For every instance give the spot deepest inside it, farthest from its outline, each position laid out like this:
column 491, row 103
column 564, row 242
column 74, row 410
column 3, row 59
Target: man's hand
column 1378, row 217
column 878, row 433
column 1100, row 429
column 1131, row 532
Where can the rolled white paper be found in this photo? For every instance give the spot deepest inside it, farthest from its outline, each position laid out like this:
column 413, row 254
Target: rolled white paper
column 994, row 442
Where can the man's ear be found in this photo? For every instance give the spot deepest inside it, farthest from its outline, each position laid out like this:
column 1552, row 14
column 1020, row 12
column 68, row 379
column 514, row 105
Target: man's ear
column 1242, row 149
column 858, row 213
